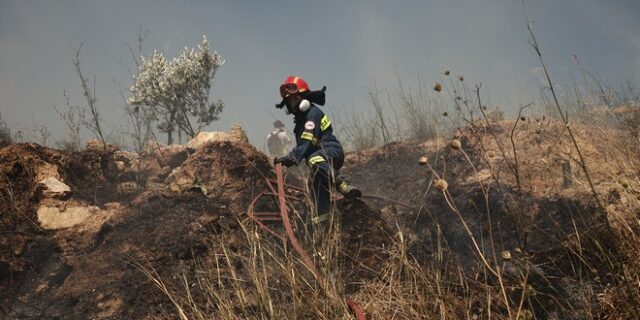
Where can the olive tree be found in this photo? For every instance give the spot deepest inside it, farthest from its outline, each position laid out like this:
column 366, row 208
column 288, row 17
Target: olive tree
column 179, row 89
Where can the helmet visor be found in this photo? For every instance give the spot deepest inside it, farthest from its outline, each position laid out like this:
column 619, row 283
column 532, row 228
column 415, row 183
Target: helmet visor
column 288, row 89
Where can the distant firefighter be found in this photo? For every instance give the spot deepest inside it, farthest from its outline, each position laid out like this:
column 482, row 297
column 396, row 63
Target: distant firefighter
column 278, row 141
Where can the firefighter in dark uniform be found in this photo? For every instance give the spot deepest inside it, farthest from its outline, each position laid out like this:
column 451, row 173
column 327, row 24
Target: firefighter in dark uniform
column 316, row 144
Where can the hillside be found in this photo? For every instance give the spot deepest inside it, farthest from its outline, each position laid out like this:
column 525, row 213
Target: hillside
column 107, row 234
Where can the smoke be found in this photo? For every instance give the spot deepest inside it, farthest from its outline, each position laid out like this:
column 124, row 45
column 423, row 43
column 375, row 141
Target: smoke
column 344, row 45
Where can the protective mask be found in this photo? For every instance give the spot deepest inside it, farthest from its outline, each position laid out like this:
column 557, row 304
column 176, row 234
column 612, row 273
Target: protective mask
column 302, row 106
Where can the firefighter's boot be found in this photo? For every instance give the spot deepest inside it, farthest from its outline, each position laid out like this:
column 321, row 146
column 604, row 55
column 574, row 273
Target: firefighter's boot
column 347, row 190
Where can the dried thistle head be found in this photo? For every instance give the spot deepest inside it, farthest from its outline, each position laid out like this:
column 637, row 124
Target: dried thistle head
column 461, row 78
column 423, row 160
column 444, row 114
column 446, row 72
column 441, row 184
column 437, row 87
column 506, row 255
column 455, row 144
column 523, row 118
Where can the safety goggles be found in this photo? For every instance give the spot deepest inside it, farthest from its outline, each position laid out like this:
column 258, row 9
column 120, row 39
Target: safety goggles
column 288, row 89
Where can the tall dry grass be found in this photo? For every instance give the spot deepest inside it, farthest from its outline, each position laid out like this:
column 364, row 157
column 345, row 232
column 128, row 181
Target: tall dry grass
column 592, row 273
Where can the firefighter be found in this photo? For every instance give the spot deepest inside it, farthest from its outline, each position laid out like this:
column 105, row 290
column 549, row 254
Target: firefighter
column 278, row 141
column 316, row 144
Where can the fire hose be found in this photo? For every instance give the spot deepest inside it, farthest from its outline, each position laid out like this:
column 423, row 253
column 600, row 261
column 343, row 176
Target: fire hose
column 296, row 245
column 261, row 218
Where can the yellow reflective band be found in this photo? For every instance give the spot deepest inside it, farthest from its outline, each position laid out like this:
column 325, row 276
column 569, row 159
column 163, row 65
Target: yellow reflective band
column 325, row 123
column 307, row 136
column 320, row 218
column 316, row 159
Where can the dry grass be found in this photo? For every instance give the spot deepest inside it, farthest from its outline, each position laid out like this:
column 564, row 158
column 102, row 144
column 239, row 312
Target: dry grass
column 591, row 272
column 264, row 280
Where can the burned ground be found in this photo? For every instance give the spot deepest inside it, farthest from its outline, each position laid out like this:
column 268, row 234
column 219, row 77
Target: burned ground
column 542, row 216
column 175, row 212
column 94, row 268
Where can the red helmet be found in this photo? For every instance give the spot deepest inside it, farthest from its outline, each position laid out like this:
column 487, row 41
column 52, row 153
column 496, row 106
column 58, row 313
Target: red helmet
column 293, row 85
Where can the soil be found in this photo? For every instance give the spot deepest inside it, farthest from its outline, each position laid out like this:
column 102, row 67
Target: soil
column 177, row 212
column 536, row 217
column 94, row 268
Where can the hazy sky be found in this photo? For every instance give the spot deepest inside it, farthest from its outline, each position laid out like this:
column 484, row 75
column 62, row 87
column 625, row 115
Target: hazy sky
column 346, row 45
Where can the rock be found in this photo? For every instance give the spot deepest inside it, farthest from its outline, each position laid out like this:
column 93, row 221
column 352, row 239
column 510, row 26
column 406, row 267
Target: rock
column 127, row 157
column 112, row 206
column 197, row 188
column 165, row 171
column 204, row 138
column 47, row 170
column 129, row 187
column 121, row 166
column 158, row 175
column 54, row 188
column 179, row 180
column 96, row 145
column 155, row 186
column 173, row 155
column 52, row 218
column 238, row 134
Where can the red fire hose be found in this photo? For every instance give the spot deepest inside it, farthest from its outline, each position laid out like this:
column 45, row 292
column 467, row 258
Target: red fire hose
column 353, row 306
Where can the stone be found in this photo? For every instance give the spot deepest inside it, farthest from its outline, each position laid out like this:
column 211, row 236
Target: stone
column 204, row 138
column 112, row 206
column 173, row 155
column 121, row 166
column 179, row 180
column 127, row 188
column 97, row 145
column 52, row 218
column 238, row 134
column 54, row 188
column 47, row 170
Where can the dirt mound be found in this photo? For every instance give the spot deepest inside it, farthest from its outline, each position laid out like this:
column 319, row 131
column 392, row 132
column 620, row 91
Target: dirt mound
column 42, row 189
column 74, row 242
column 94, row 273
column 69, row 251
column 521, row 191
column 541, row 150
column 77, row 229
column 548, row 168
column 231, row 172
column 22, row 167
column 363, row 233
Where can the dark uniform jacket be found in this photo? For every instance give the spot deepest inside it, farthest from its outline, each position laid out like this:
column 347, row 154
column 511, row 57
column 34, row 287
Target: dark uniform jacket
column 314, row 135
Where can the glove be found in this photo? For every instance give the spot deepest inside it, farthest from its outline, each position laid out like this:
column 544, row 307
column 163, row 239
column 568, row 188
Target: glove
column 287, row 161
